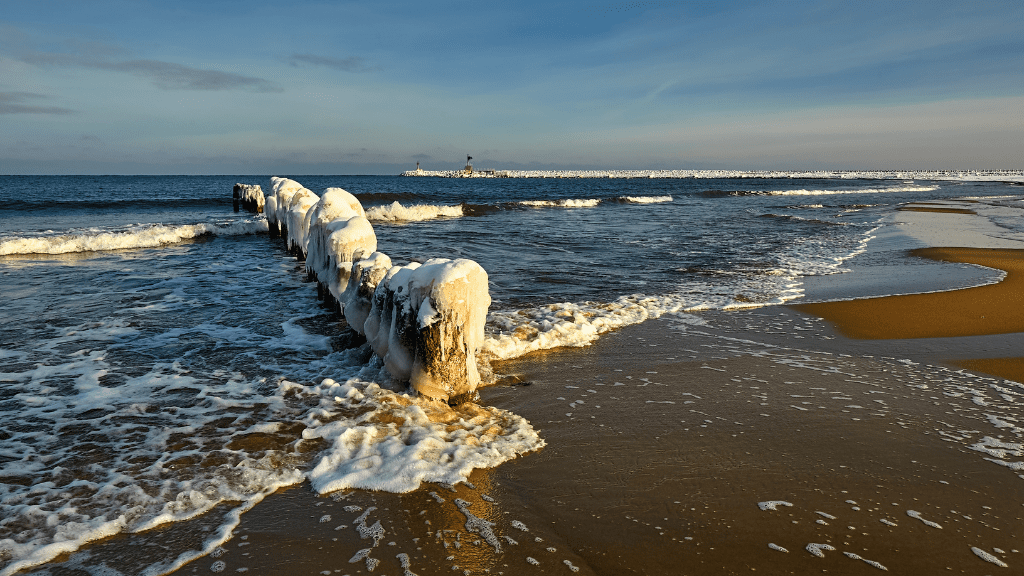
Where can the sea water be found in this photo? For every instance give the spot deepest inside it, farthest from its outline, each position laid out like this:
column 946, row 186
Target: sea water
column 162, row 358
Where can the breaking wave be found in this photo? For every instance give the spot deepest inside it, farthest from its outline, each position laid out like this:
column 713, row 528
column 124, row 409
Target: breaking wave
column 142, row 236
column 645, row 199
column 565, row 203
column 395, row 212
column 815, row 192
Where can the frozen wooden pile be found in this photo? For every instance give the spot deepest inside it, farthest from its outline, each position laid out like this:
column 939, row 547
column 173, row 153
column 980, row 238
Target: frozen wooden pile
column 249, row 197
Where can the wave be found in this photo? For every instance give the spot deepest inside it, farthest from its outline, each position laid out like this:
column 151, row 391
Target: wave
column 565, row 203
column 815, row 192
column 395, row 212
column 514, row 333
column 146, row 236
column 644, row 199
column 808, row 220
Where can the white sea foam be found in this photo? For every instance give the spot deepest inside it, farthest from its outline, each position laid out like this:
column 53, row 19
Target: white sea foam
column 828, row 192
column 384, row 440
column 395, row 212
column 140, row 236
column 137, row 487
column 816, row 549
column 646, row 199
column 772, row 504
column 564, row 203
column 988, row 557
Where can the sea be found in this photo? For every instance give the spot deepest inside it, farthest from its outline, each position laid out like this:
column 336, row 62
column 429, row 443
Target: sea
column 162, row 357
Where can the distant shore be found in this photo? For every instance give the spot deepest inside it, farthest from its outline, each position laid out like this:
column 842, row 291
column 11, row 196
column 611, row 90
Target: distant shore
column 972, row 175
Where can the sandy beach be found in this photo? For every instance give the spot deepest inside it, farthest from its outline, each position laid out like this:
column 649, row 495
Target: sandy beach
column 778, row 440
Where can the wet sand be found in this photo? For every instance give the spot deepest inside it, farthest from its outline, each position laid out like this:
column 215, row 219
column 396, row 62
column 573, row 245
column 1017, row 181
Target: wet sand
column 1009, row 368
column 939, row 210
column 992, row 309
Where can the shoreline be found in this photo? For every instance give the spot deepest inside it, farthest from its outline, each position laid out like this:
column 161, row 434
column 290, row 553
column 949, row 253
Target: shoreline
column 982, row 310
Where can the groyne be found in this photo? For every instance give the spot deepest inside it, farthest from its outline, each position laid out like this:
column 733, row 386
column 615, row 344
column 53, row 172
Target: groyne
column 423, row 321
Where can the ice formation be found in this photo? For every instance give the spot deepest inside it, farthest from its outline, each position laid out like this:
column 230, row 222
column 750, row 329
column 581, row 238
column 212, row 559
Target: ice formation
column 296, row 222
column 330, row 214
column 277, row 203
column 249, row 196
column 364, row 277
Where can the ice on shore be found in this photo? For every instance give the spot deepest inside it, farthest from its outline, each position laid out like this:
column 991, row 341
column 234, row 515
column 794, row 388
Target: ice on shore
column 772, row 504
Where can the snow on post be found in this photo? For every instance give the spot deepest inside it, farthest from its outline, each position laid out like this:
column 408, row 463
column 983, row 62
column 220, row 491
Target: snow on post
column 250, row 196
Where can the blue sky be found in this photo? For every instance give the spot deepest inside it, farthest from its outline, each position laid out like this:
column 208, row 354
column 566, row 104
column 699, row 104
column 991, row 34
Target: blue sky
column 254, row 87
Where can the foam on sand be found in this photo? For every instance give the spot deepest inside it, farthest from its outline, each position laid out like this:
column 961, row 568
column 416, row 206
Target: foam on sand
column 395, row 212
column 384, row 440
column 139, row 236
column 988, row 557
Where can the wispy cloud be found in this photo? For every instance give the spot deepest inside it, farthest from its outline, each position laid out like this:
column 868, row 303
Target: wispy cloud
column 164, row 75
column 14, row 103
column 350, row 64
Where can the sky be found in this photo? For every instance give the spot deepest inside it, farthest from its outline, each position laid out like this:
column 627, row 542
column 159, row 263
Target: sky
column 325, row 87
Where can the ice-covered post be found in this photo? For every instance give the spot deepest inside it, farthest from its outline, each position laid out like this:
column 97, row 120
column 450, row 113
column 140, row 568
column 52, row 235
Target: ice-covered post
column 427, row 323
column 249, row 196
